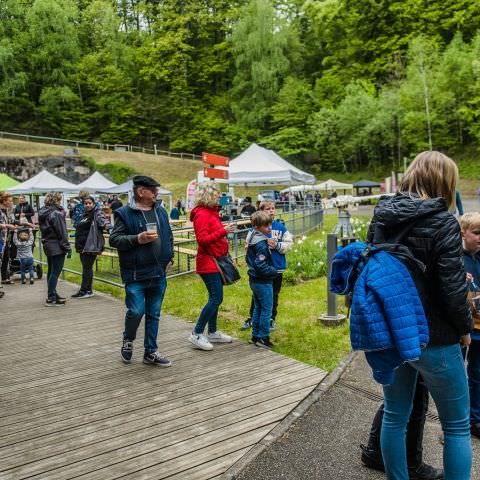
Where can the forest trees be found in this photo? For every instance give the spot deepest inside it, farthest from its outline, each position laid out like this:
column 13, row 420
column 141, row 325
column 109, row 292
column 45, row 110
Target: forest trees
column 337, row 84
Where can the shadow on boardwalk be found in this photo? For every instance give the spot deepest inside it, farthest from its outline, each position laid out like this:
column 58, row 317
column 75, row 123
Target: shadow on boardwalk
column 70, row 408
column 324, row 443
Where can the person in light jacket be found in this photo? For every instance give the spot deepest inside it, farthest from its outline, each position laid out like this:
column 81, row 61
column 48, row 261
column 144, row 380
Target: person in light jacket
column 89, row 243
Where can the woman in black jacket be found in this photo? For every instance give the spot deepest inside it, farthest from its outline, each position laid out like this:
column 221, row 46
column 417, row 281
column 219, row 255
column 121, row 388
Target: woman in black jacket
column 51, row 219
column 418, row 217
column 89, row 243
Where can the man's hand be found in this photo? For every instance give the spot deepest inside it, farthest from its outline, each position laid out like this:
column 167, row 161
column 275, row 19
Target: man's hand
column 272, row 242
column 469, row 277
column 147, row 237
column 169, row 266
column 230, row 228
column 466, row 340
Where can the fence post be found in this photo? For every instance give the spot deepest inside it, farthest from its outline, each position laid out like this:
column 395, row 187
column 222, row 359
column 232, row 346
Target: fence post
column 155, row 149
column 331, row 318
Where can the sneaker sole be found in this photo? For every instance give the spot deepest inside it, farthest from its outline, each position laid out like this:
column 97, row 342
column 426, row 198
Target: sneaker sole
column 55, row 304
column 155, row 364
column 221, row 341
column 260, row 345
column 205, row 349
column 84, row 296
column 124, row 360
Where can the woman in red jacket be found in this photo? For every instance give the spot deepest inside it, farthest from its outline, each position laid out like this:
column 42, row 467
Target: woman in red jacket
column 212, row 243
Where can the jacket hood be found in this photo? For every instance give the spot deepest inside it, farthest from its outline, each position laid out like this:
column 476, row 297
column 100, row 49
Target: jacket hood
column 44, row 212
column 402, row 209
column 256, row 237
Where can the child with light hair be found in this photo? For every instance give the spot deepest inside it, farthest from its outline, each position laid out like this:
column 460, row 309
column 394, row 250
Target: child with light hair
column 470, row 227
column 23, row 240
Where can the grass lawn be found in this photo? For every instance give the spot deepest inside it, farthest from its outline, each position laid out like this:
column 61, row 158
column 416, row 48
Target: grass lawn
column 299, row 334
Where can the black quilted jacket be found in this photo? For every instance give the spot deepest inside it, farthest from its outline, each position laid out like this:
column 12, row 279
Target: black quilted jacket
column 433, row 236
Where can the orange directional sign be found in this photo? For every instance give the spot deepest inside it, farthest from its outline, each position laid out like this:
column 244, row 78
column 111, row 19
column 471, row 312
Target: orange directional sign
column 215, row 173
column 211, row 159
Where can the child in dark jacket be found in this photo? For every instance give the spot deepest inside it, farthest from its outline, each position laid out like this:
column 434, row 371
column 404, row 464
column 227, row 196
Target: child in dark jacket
column 470, row 226
column 261, row 274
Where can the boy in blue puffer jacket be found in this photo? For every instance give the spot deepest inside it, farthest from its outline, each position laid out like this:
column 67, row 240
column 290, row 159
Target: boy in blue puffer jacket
column 280, row 241
column 261, row 274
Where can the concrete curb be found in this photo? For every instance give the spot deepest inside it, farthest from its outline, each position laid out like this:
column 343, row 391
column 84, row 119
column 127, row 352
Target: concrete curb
column 323, row 387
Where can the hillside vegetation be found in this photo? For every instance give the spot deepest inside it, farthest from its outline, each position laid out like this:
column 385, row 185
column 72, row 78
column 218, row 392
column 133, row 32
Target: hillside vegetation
column 175, row 173
column 172, row 173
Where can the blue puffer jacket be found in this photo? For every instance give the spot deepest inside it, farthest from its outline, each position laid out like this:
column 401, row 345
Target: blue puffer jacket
column 387, row 317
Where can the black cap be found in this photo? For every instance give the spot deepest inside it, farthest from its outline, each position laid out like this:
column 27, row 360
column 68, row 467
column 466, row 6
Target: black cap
column 144, row 181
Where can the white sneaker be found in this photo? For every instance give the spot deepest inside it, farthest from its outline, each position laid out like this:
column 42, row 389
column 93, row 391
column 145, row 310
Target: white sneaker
column 200, row 341
column 219, row 337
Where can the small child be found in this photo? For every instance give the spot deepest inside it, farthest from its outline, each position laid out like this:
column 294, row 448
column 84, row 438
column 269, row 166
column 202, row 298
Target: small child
column 470, row 227
column 23, row 240
column 261, row 274
column 280, row 242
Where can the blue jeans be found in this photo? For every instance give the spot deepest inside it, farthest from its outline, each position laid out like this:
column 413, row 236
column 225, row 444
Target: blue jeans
column 473, row 372
column 209, row 313
column 262, row 311
column 144, row 297
column 26, row 266
column 443, row 372
column 55, row 265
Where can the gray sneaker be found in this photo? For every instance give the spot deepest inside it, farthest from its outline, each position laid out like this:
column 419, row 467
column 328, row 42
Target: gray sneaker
column 156, row 359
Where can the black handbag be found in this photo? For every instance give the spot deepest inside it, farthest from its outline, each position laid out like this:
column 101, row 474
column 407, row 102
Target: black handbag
column 228, row 271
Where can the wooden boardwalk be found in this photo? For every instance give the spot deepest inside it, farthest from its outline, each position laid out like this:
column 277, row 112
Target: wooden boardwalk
column 69, row 408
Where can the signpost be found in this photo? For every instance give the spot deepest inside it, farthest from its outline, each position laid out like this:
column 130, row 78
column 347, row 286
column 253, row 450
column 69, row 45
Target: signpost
column 210, row 162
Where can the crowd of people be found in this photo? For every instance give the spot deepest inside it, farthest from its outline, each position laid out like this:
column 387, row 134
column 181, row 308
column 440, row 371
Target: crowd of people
column 445, row 272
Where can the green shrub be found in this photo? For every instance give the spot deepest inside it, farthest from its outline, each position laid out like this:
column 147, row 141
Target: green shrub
column 117, row 172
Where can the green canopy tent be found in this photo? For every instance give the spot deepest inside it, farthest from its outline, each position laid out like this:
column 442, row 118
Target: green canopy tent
column 6, row 182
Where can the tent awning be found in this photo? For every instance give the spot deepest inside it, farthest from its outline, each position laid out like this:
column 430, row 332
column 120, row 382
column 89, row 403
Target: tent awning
column 6, row 181
column 260, row 166
column 366, row 184
column 43, row 182
column 95, row 183
column 128, row 187
column 333, row 185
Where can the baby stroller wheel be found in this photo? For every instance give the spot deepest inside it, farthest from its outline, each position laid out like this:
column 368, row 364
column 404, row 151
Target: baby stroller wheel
column 39, row 270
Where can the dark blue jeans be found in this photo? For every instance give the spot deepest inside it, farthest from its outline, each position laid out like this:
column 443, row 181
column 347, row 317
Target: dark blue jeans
column 262, row 311
column 55, row 264
column 144, row 298
column 443, row 372
column 209, row 313
column 26, row 266
column 473, row 372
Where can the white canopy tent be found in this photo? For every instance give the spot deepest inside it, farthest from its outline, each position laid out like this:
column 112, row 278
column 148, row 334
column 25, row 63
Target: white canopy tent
column 258, row 166
column 127, row 188
column 96, row 183
column 330, row 185
column 43, row 182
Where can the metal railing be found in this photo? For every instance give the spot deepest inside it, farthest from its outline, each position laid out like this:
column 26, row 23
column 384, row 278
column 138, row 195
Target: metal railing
column 107, row 269
column 100, row 146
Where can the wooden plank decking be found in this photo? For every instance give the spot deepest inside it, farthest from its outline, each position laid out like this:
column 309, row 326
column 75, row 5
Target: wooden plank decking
column 70, row 408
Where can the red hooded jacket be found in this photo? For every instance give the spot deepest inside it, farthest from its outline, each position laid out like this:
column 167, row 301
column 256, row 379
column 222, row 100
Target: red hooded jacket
column 211, row 238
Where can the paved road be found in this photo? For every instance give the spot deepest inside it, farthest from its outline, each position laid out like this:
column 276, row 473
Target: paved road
column 324, row 443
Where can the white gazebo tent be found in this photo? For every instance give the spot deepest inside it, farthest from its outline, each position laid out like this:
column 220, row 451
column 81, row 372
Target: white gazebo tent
column 43, row 182
column 260, row 166
column 330, row 185
column 96, row 183
column 127, row 187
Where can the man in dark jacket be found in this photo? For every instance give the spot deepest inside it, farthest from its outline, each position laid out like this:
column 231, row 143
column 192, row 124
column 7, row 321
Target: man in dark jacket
column 144, row 240
column 51, row 219
column 24, row 212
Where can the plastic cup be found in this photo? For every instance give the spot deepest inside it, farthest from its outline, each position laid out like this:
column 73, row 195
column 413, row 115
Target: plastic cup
column 152, row 227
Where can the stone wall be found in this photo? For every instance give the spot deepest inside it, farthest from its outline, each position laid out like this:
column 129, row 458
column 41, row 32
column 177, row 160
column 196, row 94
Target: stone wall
column 71, row 168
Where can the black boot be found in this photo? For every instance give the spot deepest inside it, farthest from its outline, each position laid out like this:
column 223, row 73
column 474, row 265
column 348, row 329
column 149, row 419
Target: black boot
column 425, row 472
